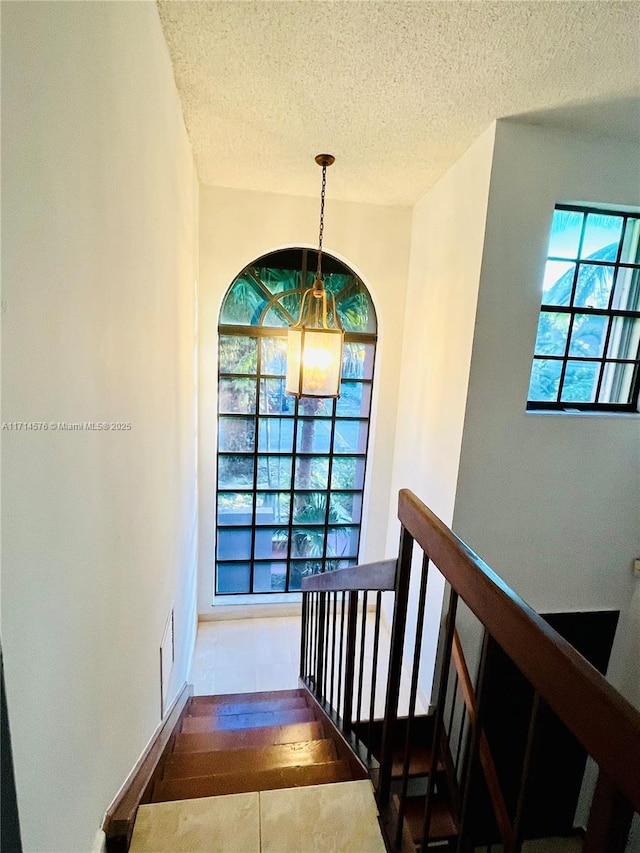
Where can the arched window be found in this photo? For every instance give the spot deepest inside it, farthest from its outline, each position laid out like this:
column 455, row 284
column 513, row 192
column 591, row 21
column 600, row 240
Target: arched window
column 290, row 473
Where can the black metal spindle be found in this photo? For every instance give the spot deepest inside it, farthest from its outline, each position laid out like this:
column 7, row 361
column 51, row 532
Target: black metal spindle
column 350, row 660
column 374, row 670
column 403, row 576
column 312, row 606
column 320, row 644
column 439, row 715
column 303, row 634
column 465, row 838
column 327, row 596
column 362, row 647
column 333, row 648
column 526, row 768
column 341, row 656
column 415, row 672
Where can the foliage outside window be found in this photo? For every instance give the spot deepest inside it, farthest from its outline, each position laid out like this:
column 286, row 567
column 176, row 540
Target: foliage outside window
column 290, row 473
column 587, row 351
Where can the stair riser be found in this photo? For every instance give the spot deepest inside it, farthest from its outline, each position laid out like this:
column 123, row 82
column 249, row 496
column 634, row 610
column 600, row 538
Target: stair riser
column 249, row 739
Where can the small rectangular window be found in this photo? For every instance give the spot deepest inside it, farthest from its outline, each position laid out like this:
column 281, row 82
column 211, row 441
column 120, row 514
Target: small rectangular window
column 587, row 350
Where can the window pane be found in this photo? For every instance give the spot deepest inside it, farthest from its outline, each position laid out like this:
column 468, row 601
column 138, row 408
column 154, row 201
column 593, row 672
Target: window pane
column 342, row 542
column 274, row 356
column 310, row 507
column 236, row 435
column 280, row 280
column 355, row 309
column 273, row 508
column 566, row 227
column 274, row 400
column 244, row 302
column 357, row 361
column 350, row 437
column 270, row 577
column 624, row 338
column 315, row 408
column 631, row 242
column 237, row 354
column 617, row 383
column 307, row 542
column 594, row 286
column 601, row 237
column 233, row 577
column 552, row 333
column 276, row 318
column 235, row 508
column 545, row 379
column 626, row 295
column 234, row 544
column 355, row 399
column 588, row 335
column 274, row 472
column 557, row 283
column 347, row 473
column 275, row 435
column 314, row 435
column 580, row 382
column 271, row 543
column 235, row 471
column 345, row 508
column 302, row 569
column 237, row 396
column 312, row 472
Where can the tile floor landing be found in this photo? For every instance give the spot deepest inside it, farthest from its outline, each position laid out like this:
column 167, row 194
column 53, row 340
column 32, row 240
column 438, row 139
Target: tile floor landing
column 338, row 818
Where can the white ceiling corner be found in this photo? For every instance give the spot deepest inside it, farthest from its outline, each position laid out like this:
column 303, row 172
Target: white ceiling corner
column 396, row 90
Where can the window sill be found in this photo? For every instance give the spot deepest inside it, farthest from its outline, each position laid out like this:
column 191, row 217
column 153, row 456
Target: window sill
column 582, row 414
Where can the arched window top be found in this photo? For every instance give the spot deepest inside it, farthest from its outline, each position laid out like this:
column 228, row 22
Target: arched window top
column 267, row 292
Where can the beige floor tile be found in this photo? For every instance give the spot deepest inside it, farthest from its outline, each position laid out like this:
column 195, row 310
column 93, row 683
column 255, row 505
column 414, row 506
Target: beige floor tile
column 228, row 824
column 339, row 818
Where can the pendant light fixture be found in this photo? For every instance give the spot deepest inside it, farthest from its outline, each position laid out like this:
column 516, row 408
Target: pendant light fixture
column 314, row 345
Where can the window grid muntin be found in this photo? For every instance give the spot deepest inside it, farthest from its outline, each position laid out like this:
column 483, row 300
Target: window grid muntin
column 296, row 415
column 631, row 404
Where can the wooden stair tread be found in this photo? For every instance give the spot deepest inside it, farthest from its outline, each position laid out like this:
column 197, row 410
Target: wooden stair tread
column 232, row 722
column 243, row 782
column 247, row 739
column 442, row 826
column 188, row 764
column 265, row 695
column 218, row 709
column 419, row 764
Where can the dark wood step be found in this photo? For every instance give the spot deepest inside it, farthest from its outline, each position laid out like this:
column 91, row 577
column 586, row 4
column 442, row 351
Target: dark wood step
column 239, row 783
column 233, row 722
column 249, row 738
column 265, row 695
column 443, row 824
column 180, row 765
column 419, row 764
column 202, row 709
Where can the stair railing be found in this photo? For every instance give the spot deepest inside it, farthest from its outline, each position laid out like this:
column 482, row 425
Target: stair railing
column 333, row 647
column 600, row 719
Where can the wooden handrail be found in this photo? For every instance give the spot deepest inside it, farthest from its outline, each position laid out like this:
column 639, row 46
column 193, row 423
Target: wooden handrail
column 606, row 725
column 366, row 576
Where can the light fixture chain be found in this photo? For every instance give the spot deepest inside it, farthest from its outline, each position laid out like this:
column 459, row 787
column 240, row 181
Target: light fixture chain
column 321, row 229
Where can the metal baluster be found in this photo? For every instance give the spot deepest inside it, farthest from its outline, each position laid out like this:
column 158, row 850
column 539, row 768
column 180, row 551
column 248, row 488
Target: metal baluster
column 303, row 634
column 403, row 576
column 341, row 657
column 333, row 649
column 319, row 644
column 437, row 726
column 350, row 660
column 327, row 596
column 465, row 840
column 374, row 671
column 417, row 649
column 463, row 720
column 361, row 668
column 526, row 768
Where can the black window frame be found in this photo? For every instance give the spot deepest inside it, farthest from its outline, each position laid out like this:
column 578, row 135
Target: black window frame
column 298, row 412
column 610, row 312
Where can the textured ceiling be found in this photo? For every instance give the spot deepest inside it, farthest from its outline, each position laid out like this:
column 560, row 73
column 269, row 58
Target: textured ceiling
column 396, row 90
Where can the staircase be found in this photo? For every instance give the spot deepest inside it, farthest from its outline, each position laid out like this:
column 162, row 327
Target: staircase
column 248, row 742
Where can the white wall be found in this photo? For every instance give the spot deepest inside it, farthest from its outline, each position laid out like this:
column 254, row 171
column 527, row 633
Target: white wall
column 99, row 528
column 236, row 227
column 447, row 238
column 551, row 502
